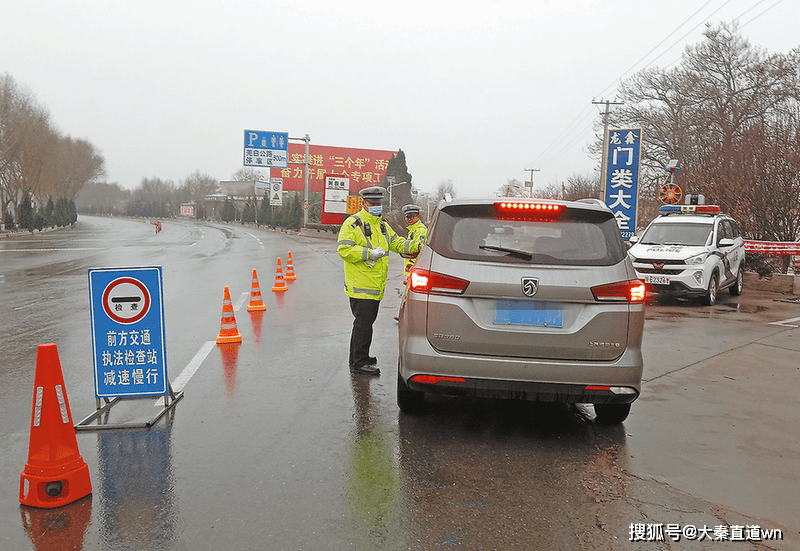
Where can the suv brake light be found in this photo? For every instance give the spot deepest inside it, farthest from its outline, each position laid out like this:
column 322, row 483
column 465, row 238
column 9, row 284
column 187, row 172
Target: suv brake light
column 427, row 282
column 622, row 291
column 527, row 210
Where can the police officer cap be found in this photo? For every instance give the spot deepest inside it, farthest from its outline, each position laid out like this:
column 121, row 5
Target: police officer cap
column 410, row 210
column 373, row 194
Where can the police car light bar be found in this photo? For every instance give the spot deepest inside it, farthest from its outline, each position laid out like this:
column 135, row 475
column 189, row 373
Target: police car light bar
column 690, row 209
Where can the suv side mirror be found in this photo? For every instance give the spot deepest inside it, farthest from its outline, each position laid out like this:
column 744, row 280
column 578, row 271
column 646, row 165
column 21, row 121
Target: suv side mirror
column 726, row 242
column 633, row 239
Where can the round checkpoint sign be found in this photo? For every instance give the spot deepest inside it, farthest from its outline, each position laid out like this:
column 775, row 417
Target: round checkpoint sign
column 126, row 300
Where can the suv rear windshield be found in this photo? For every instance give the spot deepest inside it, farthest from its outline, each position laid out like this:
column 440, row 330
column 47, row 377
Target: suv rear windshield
column 579, row 237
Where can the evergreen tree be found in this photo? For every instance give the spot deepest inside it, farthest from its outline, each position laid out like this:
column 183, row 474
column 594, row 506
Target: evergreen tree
column 25, row 213
column 228, row 210
column 401, row 190
column 265, row 213
column 61, row 216
column 48, row 213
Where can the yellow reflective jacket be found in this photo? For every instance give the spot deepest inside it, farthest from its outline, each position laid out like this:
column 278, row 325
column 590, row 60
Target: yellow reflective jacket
column 416, row 232
column 361, row 233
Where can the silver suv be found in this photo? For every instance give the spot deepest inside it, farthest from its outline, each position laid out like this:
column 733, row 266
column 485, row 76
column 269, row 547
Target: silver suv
column 523, row 299
column 691, row 250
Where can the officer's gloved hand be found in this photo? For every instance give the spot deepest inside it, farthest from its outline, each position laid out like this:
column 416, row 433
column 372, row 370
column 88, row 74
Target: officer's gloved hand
column 376, row 253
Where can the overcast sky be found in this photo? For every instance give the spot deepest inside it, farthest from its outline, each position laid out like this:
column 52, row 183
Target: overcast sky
column 475, row 92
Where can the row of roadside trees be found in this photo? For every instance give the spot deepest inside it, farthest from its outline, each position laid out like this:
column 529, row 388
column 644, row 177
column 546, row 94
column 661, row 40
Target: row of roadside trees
column 41, row 169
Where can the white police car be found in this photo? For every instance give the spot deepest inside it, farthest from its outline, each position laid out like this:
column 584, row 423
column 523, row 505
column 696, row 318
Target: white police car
column 690, row 250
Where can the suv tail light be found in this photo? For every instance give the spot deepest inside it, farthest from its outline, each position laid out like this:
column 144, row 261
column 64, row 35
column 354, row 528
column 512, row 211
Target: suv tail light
column 427, row 282
column 622, row 291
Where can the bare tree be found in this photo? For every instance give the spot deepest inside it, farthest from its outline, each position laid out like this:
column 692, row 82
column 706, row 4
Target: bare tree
column 726, row 98
column 196, row 187
column 444, row 187
column 512, row 188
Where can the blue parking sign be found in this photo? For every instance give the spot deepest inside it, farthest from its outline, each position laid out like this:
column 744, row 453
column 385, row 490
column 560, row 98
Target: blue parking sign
column 266, row 149
column 128, row 343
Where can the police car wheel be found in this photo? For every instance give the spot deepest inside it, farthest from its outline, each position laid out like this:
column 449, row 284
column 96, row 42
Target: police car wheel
column 710, row 297
column 736, row 288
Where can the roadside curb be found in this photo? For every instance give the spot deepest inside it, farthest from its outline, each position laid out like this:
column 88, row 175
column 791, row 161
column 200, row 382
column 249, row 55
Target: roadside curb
column 777, row 283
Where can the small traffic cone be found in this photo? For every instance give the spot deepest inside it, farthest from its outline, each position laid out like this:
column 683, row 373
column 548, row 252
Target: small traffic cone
column 290, row 276
column 55, row 474
column 227, row 329
column 256, row 302
column 280, row 284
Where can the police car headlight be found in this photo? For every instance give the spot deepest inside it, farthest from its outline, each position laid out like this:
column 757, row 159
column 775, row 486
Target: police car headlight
column 697, row 259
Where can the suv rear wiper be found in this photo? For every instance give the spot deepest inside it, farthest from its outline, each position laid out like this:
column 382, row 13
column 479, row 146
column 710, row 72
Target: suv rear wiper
column 524, row 255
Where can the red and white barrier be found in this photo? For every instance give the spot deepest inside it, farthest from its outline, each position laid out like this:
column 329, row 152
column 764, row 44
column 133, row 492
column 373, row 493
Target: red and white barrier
column 771, row 247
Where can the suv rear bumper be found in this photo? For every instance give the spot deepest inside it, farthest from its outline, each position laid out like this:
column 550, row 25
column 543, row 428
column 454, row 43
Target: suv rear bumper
column 616, row 381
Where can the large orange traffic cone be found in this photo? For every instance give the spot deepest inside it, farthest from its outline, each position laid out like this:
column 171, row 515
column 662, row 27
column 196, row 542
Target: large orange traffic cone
column 280, row 284
column 256, row 302
column 55, row 474
column 227, row 329
column 290, row 276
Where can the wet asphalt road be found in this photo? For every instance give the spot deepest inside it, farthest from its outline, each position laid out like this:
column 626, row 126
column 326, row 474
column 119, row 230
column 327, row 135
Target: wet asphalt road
column 277, row 446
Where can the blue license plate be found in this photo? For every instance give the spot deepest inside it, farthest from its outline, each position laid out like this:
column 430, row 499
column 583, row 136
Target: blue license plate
column 537, row 314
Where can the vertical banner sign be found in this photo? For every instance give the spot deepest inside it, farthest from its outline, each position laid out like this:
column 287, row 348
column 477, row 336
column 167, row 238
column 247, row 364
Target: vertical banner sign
column 334, row 203
column 266, row 149
column 128, row 343
column 622, row 177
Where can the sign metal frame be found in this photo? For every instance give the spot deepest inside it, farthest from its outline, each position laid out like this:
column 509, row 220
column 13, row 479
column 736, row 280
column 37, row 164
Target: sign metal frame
column 126, row 308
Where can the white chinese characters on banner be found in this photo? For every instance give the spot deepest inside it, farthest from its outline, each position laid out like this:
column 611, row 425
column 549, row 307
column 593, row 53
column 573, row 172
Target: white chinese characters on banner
column 622, row 177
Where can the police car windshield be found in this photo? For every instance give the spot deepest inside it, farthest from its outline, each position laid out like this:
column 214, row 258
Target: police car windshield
column 678, row 234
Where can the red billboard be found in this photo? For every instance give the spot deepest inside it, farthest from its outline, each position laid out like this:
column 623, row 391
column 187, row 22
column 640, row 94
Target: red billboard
column 364, row 167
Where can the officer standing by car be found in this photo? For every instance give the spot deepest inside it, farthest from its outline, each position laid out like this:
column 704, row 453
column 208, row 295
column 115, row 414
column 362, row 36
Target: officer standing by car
column 364, row 243
column 417, row 231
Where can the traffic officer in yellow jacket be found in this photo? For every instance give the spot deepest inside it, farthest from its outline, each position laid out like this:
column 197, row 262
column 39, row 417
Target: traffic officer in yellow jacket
column 364, row 244
column 417, row 231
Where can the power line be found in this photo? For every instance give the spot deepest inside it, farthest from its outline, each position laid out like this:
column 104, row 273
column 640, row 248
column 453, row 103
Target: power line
column 568, row 138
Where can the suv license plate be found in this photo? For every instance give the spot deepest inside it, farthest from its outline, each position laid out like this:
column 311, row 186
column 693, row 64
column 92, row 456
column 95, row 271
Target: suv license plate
column 656, row 280
column 538, row 314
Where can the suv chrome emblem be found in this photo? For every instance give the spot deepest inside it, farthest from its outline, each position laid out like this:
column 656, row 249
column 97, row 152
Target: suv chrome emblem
column 530, row 285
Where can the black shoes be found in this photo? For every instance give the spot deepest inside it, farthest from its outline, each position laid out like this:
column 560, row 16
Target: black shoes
column 369, row 368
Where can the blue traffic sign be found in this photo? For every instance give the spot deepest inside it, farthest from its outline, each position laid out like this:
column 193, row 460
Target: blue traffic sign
column 266, row 149
column 128, row 343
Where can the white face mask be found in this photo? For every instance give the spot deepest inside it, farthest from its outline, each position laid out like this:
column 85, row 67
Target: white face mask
column 376, row 210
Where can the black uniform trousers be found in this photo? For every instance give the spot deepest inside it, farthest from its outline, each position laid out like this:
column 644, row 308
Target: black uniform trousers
column 365, row 311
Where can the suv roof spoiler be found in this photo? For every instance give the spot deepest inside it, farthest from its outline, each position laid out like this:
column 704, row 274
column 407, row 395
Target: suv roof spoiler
column 593, row 201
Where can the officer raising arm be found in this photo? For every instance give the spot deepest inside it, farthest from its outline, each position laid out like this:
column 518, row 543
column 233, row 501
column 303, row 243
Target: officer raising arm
column 417, row 231
column 364, row 244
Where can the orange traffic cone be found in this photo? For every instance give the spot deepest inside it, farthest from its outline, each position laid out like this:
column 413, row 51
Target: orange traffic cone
column 227, row 329
column 256, row 302
column 55, row 474
column 280, row 284
column 290, row 276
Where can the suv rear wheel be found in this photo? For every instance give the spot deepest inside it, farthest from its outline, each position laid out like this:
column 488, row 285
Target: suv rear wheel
column 609, row 414
column 409, row 401
column 710, row 297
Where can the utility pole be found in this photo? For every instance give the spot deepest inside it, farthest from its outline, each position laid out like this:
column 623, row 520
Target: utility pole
column 306, row 163
column 604, row 159
column 532, row 170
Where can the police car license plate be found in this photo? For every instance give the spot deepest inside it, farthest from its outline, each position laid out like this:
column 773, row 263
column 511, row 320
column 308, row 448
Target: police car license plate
column 657, row 279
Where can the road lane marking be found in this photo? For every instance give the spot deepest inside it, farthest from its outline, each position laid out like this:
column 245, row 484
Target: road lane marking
column 191, row 368
column 786, row 323
column 239, row 302
column 256, row 238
